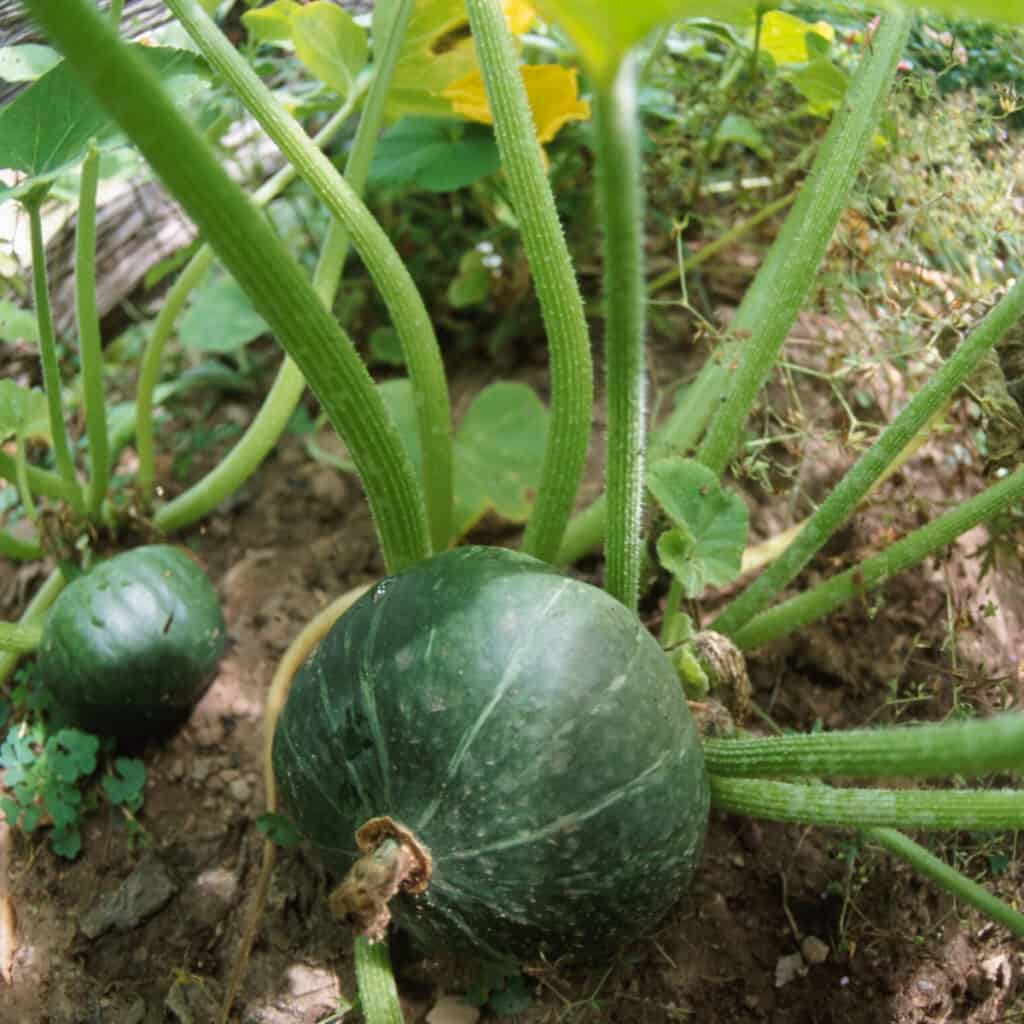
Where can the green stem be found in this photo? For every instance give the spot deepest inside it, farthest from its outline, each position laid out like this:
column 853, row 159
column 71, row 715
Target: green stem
column 260, row 264
column 869, row 468
column 784, row 281
column 392, row 278
column 116, row 7
column 90, row 344
column 378, row 994
column 33, row 617
column 41, row 481
column 953, row 748
column 973, row 810
column 617, row 145
column 18, row 550
column 48, row 356
column 21, row 476
column 571, row 373
column 915, row 547
column 149, row 374
column 19, row 639
column 948, row 878
column 673, row 612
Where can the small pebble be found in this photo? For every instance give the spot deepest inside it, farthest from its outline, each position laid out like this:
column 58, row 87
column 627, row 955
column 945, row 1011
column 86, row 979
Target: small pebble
column 240, row 790
column 814, row 950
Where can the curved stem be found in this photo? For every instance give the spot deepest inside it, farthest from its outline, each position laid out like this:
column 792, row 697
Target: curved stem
column 948, row 878
column 378, row 994
column 33, row 617
column 772, row 302
column 979, row 810
column 396, row 287
column 874, row 463
column 48, row 358
column 19, row 550
column 915, row 547
column 90, row 345
column 953, row 748
column 19, row 639
column 188, row 280
column 571, row 373
column 42, row 481
column 617, row 138
column 255, row 257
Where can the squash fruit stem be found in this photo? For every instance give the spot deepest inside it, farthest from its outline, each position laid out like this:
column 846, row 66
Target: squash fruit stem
column 393, row 860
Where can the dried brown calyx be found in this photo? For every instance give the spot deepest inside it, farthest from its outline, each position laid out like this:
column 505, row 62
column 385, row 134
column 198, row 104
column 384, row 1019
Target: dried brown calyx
column 393, row 859
column 730, row 695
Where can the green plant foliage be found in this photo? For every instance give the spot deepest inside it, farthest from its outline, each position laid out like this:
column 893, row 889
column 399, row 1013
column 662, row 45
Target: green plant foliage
column 499, row 988
column 220, row 318
column 433, row 153
column 472, row 285
column 709, row 524
column 16, row 323
column 125, row 785
column 279, row 829
column 271, row 24
column 23, row 412
column 48, row 128
column 26, row 62
column 330, row 44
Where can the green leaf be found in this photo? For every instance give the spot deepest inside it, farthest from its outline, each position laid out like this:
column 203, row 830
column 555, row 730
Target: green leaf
column 437, row 154
column 47, row 128
column 512, row 998
column 11, row 810
column 26, row 62
column 385, row 346
column 66, row 842
column 705, row 545
column 271, row 24
column 62, row 802
column 330, row 44
column 220, row 318
column 126, row 784
column 740, row 129
column 23, row 412
column 17, row 324
column 499, row 448
column 279, row 829
column 71, row 754
column 821, row 83
column 472, row 285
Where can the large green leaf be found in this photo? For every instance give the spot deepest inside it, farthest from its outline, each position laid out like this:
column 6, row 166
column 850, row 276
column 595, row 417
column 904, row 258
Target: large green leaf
column 709, row 524
column 273, row 23
column 330, row 44
column 27, row 62
column 220, row 318
column 47, row 128
column 437, row 154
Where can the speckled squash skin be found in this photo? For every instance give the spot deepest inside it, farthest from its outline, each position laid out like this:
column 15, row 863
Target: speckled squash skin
column 528, row 730
column 129, row 648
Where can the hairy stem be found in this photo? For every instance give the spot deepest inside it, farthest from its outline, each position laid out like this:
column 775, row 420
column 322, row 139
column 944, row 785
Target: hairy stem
column 781, row 286
column 969, row 809
column 874, row 463
column 915, row 547
column 90, row 344
column 571, row 375
column 617, row 143
column 33, row 618
column 953, row 748
column 259, row 263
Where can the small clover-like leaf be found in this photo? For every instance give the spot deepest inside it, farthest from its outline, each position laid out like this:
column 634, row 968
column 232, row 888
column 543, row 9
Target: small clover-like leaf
column 71, row 754
column 279, row 829
column 66, row 842
column 62, row 802
column 11, row 810
column 125, row 786
column 705, row 545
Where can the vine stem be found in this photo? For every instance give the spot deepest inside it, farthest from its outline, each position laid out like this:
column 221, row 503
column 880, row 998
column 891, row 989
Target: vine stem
column 260, row 264
column 948, row 878
column 953, row 748
column 382, row 261
column 875, row 462
column 378, row 994
column 815, row 804
column 42, row 481
column 19, row 550
column 906, row 552
column 780, row 288
column 33, row 618
column 617, row 144
column 18, row 638
column 48, row 357
column 90, row 344
column 571, row 373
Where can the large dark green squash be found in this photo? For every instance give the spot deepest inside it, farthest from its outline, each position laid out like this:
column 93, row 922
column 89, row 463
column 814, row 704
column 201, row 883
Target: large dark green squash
column 129, row 647
column 527, row 730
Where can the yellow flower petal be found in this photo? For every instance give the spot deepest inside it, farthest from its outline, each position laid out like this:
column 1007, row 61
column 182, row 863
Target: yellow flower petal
column 552, row 91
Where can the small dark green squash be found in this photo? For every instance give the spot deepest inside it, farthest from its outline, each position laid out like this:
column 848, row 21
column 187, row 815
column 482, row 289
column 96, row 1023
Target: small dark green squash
column 515, row 752
column 130, row 647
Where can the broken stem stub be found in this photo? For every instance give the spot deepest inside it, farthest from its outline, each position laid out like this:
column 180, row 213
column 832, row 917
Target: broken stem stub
column 393, row 859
